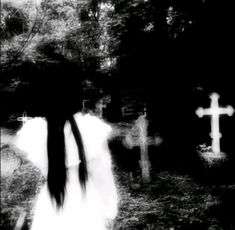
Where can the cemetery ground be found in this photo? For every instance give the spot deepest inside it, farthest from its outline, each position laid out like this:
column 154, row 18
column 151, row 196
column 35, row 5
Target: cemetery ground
column 170, row 201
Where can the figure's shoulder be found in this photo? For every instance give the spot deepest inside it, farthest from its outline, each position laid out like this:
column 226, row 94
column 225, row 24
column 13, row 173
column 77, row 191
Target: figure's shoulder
column 36, row 124
column 31, row 139
column 32, row 129
column 93, row 125
column 95, row 134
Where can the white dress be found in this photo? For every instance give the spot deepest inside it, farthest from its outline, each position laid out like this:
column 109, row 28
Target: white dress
column 80, row 212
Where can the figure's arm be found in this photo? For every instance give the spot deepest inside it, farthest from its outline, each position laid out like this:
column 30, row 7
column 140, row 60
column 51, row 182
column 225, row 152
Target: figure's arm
column 100, row 172
column 31, row 141
column 95, row 133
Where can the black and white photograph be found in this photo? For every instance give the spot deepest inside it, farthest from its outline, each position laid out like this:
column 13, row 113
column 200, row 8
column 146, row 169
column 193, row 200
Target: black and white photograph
column 117, row 115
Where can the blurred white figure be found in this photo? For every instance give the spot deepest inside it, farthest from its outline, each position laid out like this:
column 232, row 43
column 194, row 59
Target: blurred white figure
column 95, row 207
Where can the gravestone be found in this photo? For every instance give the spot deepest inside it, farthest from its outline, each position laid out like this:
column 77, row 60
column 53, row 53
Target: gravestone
column 9, row 161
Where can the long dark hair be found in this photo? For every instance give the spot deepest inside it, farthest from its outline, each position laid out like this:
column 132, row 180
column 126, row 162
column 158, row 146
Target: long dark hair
column 55, row 91
column 57, row 172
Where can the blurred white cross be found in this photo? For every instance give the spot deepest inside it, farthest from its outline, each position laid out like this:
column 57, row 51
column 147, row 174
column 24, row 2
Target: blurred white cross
column 138, row 136
column 214, row 111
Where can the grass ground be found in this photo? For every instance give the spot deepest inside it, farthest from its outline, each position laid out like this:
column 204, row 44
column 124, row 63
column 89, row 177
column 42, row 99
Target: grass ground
column 171, row 201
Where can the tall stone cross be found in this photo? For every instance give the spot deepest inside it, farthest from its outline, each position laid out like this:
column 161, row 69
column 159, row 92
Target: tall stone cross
column 142, row 125
column 214, row 111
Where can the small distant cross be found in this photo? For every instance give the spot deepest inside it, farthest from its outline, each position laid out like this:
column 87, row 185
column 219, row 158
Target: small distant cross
column 214, row 111
column 100, row 106
column 24, row 118
column 84, row 107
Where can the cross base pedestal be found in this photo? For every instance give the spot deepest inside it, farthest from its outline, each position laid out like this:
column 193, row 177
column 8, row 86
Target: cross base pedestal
column 212, row 158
